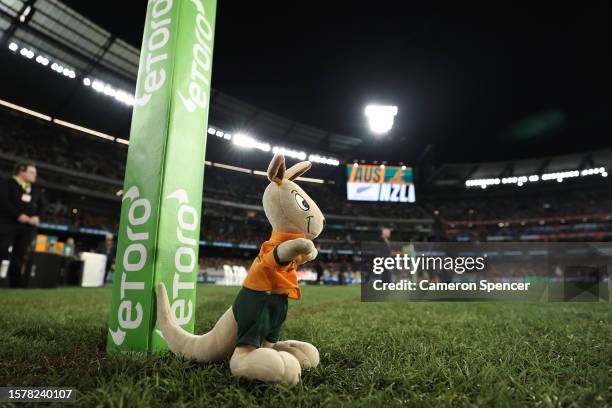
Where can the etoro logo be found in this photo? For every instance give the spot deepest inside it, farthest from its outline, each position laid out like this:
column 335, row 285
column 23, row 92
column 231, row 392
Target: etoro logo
column 199, row 85
column 185, row 257
column 129, row 312
column 154, row 50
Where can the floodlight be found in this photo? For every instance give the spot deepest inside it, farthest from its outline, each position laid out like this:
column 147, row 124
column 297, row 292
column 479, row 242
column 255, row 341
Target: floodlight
column 380, row 117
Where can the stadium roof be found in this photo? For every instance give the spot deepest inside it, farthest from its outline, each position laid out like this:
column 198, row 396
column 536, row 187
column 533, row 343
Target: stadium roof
column 51, row 27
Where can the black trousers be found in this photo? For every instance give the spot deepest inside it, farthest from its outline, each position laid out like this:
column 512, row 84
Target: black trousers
column 20, row 237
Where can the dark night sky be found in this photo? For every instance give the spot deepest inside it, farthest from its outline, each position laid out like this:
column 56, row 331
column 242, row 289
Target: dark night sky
column 461, row 76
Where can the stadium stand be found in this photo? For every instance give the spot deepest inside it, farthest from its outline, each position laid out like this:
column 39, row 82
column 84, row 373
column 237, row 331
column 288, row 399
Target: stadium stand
column 82, row 178
column 83, row 173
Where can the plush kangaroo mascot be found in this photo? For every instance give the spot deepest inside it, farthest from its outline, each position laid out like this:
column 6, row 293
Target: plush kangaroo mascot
column 249, row 330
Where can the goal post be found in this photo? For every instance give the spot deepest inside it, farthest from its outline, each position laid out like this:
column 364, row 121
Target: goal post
column 159, row 231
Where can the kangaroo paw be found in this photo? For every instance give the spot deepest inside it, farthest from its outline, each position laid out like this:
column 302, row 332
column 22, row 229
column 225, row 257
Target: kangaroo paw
column 268, row 365
column 305, row 353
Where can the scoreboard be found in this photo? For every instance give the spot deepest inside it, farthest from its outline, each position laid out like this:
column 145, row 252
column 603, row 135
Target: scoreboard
column 369, row 182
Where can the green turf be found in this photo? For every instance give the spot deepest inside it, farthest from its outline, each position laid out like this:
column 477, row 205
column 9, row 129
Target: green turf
column 375, row 354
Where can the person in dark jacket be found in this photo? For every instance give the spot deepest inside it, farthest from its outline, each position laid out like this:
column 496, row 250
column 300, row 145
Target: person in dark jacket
column 21, row 204
column 108, row 248
column 380, row 248
column 385, row 250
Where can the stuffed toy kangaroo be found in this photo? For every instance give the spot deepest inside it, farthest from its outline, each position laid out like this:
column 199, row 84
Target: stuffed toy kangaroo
column 249, row 330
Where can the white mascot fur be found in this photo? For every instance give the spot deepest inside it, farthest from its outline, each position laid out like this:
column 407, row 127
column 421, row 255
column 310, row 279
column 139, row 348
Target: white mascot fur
column 248, row 331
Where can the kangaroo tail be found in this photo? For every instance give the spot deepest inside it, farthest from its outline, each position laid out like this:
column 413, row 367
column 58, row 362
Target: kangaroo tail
column 218, row 344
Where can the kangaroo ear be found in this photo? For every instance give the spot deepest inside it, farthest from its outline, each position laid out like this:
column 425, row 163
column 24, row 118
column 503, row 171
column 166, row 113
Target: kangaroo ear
column 298, row 169
column 276, row 169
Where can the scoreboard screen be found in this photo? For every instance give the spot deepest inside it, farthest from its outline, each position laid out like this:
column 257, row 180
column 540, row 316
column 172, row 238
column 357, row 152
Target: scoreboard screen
column 370, row 182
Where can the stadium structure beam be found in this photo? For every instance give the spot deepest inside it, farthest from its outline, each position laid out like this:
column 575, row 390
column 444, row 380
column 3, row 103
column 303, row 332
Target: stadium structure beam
column 543, row 166
column 586, row 162
column 471, row 171
column 419, row 175
column 508, row 170
column 15, row 21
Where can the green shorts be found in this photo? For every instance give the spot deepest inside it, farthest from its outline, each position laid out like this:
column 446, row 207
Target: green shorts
column 260, row 316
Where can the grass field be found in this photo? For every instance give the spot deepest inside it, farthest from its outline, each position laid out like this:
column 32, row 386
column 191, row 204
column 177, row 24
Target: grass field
column 374, row 354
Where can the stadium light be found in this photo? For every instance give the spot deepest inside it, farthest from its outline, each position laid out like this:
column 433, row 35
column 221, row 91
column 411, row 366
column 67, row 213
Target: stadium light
column 97, row 86
column 42, row 60
column 108, row 90
column 128, row 99
column 294, row 154
column 25, row 14
column 69, row 73
column 120, row 95
column 60, row 69
column 559, row 176
column 380, row 117
column 29, row 54
column 315, row 158
column 246, row 141
column 562, row 175
column 484, row 183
